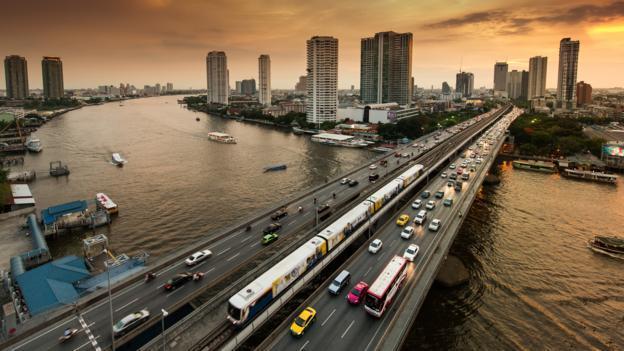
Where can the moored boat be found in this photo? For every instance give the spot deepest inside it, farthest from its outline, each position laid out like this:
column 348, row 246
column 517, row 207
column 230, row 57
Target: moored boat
column 297, row 130
column 221, row 138
column 608, row 245
column 277, row 167
column 338, row 140
column 539, row 166
column 105, row 202
column 33, row 144
column 590, row 175
column 118, row 160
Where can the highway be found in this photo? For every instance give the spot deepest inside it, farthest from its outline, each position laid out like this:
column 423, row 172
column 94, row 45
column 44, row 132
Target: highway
column 342, row 326
column 229, row 253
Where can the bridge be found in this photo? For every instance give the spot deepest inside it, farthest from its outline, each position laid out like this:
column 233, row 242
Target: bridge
column 237, row 258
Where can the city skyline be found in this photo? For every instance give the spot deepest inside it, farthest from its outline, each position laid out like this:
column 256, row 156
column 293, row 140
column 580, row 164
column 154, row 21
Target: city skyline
column 145, row 38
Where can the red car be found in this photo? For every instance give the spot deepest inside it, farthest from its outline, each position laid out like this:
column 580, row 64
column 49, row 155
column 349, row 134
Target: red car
column 460, row 171
column 356, row 295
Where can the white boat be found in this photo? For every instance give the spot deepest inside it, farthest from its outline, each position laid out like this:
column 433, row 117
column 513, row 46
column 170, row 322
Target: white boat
column 33, row 144
column 591, row 176
column 221, row 138
column 338, row 140
column 104, row 202
column 118, row 160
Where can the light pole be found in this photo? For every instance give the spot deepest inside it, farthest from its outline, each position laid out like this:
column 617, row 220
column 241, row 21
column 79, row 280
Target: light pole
column 110, row 301
column 164, row 314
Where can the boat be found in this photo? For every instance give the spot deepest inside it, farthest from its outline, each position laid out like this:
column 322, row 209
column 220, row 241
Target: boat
column 277, row 167
column 118, row 160
column 297, row 130
column 539, row 166
column 221, row 138
column 338, row 140
column 104, row 202
column 33, row 144
column 311, row 131
column 608, row 245
column 590, row 175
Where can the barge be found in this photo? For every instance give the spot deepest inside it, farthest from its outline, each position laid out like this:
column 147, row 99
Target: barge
column 538, row 166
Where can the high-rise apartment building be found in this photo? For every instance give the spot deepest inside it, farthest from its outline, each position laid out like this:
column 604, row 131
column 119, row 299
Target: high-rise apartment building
column 566, row 79
column 446, row 89
column 16, row 76
column 217, row 76
column 322, row 79
column 264, row 80
column 52, row 70
column 501, row 69
column 524, row 90
column 169, row 87
column 464, row 83
column 583, row 94
column 248, row 86
column 239, row 87
column 514, row 84
column 386, row 68
column 302, row 84
column 537, row 76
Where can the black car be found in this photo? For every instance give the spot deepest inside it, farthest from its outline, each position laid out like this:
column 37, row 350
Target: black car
column 177, row 281
column 279, row 214
column 353, row 183
column 373, row 177
column 272, row 228
column 323, row 208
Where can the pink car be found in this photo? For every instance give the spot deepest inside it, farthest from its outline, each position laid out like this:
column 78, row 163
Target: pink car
column 356, row 295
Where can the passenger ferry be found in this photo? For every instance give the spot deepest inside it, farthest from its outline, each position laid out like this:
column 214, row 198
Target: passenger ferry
column 539, row 166
column 338, row 140
column 221, row 138
column 33, row 144
column 590, row 175
column 104, row 202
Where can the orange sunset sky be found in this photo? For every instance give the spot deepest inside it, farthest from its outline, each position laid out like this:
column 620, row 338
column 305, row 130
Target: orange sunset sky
column 149, row 41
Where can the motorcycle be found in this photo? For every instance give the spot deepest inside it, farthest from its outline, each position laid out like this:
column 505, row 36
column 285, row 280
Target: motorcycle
column 149, row 276
column 300, row 209
column 68, row 334
column 197, row 276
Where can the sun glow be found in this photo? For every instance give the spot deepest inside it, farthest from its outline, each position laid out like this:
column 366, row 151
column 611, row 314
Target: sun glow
column 611, row 28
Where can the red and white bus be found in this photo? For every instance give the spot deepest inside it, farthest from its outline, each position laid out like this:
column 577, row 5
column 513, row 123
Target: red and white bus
column 386, row 286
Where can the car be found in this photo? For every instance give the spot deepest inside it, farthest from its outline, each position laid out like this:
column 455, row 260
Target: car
column 430, row 205
column 353, row 182
column 177, row 281
column 303, row 321
column 465, row 176
column 272, row 228
column 411, row 252
column 425, row 194
column 443, row 175
column 130, row 322
column 458, row 186
column 472, row 169
column 402, row 220
column 448, row 202
column 322, row 208
column 342, row 279
column 452, row 166
column 416, row 204
column 459, row 171
column 373, row 166
column 281, row 213
column 439, row 194
column 420, row 217
column 269, row 238
column 357, row 294
column 407, row 232
column 198, row 257
column 375, row 246
column 397, row 154
column 450, row 183
column 435, row 225
column 464, row 165
column 453, row 176
column 373, row 177
column 405, row 155
column 345, row 181
column 478, row 161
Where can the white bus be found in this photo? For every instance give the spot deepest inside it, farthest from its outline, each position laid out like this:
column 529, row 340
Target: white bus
column 386, row 286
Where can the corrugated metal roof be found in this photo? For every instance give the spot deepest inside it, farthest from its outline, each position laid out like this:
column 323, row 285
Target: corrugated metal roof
column 50, row 214
column 20, row 190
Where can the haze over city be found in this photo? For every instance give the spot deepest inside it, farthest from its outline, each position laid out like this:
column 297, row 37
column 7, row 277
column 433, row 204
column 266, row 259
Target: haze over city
column 148, row 41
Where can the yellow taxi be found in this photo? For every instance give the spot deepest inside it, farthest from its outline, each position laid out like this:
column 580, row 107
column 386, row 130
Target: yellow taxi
column 303, row 321
column 402, row 220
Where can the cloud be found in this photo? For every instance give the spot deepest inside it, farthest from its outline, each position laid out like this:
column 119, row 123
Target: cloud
column 471, row 18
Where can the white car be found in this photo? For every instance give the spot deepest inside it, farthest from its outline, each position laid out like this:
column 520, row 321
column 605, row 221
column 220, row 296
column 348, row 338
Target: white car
column 443, row 175
column 373, row 166
column 198, row 257
column 435, row 225
column 344, row 181
column 375, row 246
column 430, row 205
column 407, row 232
column 416, row 204
column 452, row 166
column 130, row 322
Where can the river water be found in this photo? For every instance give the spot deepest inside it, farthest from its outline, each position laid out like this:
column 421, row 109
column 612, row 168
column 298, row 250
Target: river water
column 533, row 285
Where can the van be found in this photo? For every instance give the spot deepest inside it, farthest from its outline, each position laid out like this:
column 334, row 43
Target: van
column 339, row 282
column 420, row 217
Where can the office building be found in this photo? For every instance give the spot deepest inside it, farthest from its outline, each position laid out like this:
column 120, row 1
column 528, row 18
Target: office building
column 322, row 79
column 583, row 94
column 239, row 87
column 537, row 76
column 524, row 90
column 217, row 77
column 16, row 76
column 446, row 89
column 52, row 70
column 514, row 84
column 386, row 68
column 169, row 87
column 501, row 70
column 157, row 89
column 566, row 79
column 302, row 85
column 464, row 83
column 248, row 86
column 264, row 80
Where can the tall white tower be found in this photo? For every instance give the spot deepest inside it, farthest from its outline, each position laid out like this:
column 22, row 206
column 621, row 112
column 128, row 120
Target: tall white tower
column 217, row 76
column 322, row 81
column 264, row 80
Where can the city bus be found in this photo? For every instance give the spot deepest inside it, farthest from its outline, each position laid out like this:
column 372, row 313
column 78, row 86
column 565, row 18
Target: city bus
column 386, row 286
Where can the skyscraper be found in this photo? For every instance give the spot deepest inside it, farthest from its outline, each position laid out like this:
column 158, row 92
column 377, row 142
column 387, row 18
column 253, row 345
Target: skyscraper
column 264, row 80
column 500, row 76
column 16, row 75
column 248, row 86
column 566, row 79
column 52, row 70
column 524, row 91
column 583, row 94
column 386, row 68
column 217, row 74
column 322, row 79
column 537, row 76
column 302, row 84
column 464, row 83
column 514, row 84
column 169, row 87
column 446, row 89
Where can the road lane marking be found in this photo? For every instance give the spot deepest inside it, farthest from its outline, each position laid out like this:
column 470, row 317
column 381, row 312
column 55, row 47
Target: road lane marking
column 92, row 339
column 247, row 238
column 347, row 330
column 304, row 345
column 233, row 257
column 175, row 291
column 256, row 244
column 224, row 251
column 86, row 343
column 369, row 269
column 328, row 317
column 44, row 333
column 126, row 305
column 210, row 270
column 235, row 235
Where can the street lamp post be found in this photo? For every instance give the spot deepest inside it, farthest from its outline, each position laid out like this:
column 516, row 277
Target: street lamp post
column 110, row 302
column 164, row 314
